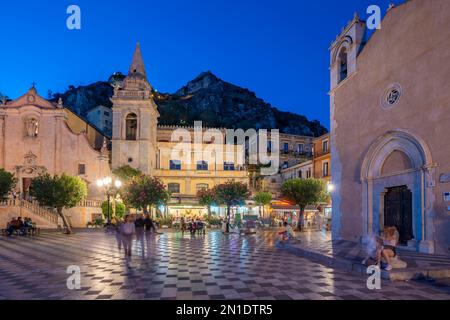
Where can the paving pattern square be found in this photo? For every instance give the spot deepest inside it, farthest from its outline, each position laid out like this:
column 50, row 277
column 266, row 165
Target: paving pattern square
column 170, row 266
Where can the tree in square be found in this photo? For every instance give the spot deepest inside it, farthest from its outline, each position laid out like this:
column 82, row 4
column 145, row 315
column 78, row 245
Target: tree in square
column 7, row 183
column 58, row 193
column 231, row 194
column 206, row 198
column 263, row 199
column 305, row 192
column 144, row 192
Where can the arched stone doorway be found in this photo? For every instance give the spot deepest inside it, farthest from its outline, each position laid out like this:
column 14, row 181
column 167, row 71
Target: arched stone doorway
column 27, row 172
column 398, row 176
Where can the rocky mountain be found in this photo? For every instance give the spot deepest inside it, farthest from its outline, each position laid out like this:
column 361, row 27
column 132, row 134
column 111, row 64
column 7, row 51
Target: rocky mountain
column 206, row 98
column 84, row 98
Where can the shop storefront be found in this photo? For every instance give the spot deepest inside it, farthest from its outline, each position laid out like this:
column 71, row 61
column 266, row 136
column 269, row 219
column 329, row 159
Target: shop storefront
column 286, row 212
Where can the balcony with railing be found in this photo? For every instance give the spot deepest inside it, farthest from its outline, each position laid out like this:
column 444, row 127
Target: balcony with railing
column 321, row 153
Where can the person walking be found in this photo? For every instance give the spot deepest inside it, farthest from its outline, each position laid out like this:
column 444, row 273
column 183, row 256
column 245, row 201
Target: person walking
column 320, row 221
column 301, row 224
column 128, row 230
column 149, row 225
column 183, row 226
column 118, row 233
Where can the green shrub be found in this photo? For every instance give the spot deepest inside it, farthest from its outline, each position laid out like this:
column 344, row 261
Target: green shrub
column 99, row 222
column 165, row 221
column 120, row 210
column 213, row 220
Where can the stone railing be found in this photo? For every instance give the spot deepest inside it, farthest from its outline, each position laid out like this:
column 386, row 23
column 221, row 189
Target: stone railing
column 90, row 204
column 34, row 208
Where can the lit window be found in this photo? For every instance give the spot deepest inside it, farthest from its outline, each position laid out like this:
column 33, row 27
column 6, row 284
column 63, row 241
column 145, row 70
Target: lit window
column 202, row 166
column 325, row 146
column 175, row 165
column 202, row 186
column 325, row 169
column 228, row 166
column 174, row 188
column 286, row 148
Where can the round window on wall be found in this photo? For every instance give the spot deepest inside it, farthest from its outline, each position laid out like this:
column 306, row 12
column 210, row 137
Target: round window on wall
column 391, row 96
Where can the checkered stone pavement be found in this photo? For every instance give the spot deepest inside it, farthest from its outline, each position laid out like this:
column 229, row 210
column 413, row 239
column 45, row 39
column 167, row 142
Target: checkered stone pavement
column 170, row 266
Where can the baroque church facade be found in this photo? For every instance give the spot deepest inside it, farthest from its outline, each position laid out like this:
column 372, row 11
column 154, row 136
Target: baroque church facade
column 390, row 109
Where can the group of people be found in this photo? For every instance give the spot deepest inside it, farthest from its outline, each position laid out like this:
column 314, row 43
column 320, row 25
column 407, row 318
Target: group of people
column 382, row 249
column 129, row 228
column 194, row 226
column 315, row 221
column 22, row 226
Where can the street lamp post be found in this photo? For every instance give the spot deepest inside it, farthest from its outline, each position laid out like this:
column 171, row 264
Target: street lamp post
column 111, row 186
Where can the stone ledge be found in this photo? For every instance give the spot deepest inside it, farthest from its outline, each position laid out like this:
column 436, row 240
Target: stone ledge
column 437, row 272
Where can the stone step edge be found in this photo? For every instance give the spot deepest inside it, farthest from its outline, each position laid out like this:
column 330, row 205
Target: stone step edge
column 351, row 266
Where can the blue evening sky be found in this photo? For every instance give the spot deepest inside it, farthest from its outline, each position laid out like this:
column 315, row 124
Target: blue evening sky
column 278, row 49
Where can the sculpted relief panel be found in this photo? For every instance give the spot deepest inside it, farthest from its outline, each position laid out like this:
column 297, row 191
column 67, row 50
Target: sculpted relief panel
column 30, row 167
column 31, row 127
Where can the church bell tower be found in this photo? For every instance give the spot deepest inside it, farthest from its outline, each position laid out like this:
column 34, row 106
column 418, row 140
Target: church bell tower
column 135, row 120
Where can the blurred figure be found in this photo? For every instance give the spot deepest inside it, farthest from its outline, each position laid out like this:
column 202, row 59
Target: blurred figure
column 128, row 230
column 374, row 251
column 118, row 224
column 149, row 225
column 183, row 226
column 140, row 224
column 200, row 227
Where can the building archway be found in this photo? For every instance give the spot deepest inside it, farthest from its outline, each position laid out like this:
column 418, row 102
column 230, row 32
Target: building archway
column 397, row 176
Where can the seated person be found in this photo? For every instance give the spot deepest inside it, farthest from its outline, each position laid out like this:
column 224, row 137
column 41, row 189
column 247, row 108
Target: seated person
column 14, row 225
column 390, row 241
column 20, row 225
column 374, row 251
column 10, row 226
column 287, row 233
column 29, row 226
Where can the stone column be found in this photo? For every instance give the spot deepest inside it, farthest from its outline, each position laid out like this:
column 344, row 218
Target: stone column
column 367, row 209
column 188, row 185
column 58, row 144
column 3, row 140
column 428, row 183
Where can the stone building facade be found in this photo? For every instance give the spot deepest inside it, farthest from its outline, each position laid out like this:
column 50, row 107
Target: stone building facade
column 101, row 117
column 169, row 153
column 390, row 109
column 37, row 137
column 322, row 158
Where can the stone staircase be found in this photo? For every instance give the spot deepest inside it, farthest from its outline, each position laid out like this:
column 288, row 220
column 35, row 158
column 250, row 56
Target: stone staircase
column 348, row 255
column 44, row 218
